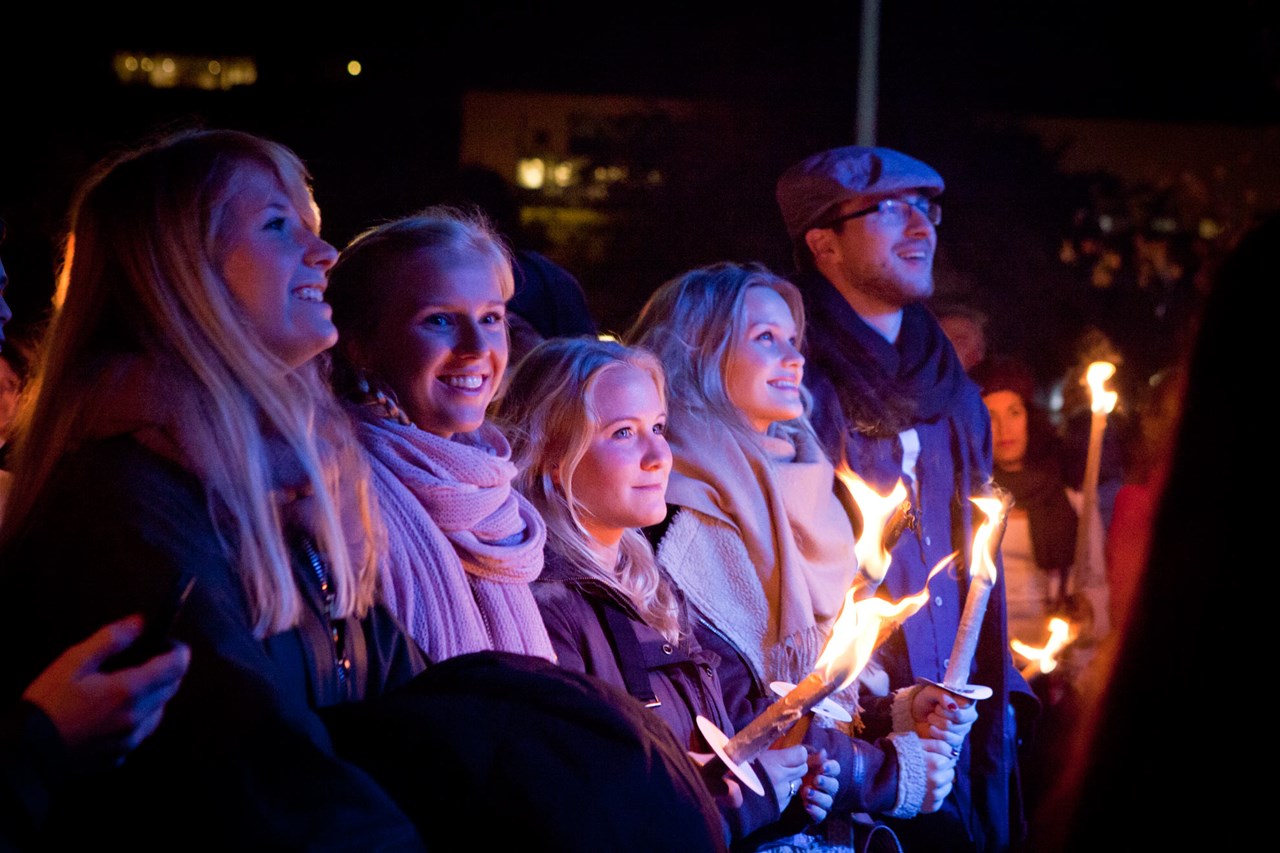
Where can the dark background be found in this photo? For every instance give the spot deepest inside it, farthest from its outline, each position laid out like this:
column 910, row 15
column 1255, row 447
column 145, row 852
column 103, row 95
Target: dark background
column 952, row 81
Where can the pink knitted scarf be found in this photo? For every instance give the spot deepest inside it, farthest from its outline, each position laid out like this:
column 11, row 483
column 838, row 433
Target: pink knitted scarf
column 462, row 545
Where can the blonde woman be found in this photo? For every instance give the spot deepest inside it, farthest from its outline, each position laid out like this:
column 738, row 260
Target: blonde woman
column 421, row 305
column 178, row 437
column 587, row 419
column 757, row 537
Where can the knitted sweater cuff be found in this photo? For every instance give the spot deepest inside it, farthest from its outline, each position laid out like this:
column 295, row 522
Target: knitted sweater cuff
column 911, row 774
column 901, row 708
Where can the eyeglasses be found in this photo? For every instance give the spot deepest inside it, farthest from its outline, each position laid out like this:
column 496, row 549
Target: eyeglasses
column 893, row 212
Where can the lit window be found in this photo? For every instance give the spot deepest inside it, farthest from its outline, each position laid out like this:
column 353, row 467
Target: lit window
column 1210, row 229
column 185, row 72
column 531, row 173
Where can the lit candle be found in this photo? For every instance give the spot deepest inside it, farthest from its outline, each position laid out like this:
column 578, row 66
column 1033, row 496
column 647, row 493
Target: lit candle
column 1101, row 404
column 861, row 625
column 982, row 577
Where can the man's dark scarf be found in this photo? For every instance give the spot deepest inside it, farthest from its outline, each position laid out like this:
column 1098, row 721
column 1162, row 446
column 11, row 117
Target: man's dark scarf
column 883, row 388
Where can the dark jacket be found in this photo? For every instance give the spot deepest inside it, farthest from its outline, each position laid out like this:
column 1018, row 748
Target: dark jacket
column 501, row 751
column 241, row 758
column 589, row 623
column 868, row 771
column 33, row 767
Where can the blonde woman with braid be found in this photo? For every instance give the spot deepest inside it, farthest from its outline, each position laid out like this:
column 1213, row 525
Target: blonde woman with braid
column 420, row 303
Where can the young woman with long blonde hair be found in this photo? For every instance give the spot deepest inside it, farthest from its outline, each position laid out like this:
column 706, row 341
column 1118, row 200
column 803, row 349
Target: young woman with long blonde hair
column 181, row 456
column 758, row 535
column 587, row 420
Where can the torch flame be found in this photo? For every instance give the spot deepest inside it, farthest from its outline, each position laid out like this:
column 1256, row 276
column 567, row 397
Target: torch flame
column 984, row 564
column 873, row 557
column 1046, row 658
column 1103, row 401
column 857, row 629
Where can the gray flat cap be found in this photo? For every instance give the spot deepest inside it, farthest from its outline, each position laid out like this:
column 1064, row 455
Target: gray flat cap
column 810, row 188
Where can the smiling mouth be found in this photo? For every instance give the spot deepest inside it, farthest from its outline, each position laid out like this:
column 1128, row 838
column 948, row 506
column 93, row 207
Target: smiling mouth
column 310, row 293
column 468, row 382
column 915, row 254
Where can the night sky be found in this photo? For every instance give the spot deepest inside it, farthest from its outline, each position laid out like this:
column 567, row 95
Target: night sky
column 396, row 126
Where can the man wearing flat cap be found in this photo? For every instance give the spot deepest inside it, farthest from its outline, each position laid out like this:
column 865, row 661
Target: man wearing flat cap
column 892, row 400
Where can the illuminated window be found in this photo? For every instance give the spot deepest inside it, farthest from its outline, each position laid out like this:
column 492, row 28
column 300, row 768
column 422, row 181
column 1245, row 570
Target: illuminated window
column 184, row 72
column 1210, row 229
column 531, row 173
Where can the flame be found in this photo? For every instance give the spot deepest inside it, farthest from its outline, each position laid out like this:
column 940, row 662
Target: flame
column 876, row 509
column 1103, row 401
column 1060, row 636
column 857, row 630
column 984, row 564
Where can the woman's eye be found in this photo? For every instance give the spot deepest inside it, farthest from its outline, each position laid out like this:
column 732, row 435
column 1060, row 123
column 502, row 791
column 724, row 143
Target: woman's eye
column 765, row 336
column 494, row 318
column 623, row 432
column 659, row 429
column 438, row 321
column 275, row 223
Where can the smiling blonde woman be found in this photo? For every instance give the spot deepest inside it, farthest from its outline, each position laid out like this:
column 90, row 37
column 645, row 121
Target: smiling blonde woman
column 421, row 304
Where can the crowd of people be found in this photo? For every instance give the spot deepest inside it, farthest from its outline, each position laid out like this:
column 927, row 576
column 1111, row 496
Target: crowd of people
column 355, row 572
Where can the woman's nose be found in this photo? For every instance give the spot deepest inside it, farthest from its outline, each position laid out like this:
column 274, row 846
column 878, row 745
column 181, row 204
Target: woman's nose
column 792, row 355
column 471, row 338
column 321, row 254
column 657, row 453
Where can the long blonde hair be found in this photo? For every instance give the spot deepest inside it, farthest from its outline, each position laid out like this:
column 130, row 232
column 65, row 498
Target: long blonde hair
column 139, row 284
column 691, row 323
column 548, row 414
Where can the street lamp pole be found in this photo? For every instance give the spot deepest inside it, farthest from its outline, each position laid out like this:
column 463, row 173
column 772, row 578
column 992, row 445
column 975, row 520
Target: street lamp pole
column 868, row 62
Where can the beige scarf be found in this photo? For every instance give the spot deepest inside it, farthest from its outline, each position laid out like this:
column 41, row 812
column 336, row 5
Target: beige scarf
column 777, row 492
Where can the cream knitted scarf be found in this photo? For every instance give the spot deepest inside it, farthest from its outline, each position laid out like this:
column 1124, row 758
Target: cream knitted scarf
column 777, row 492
